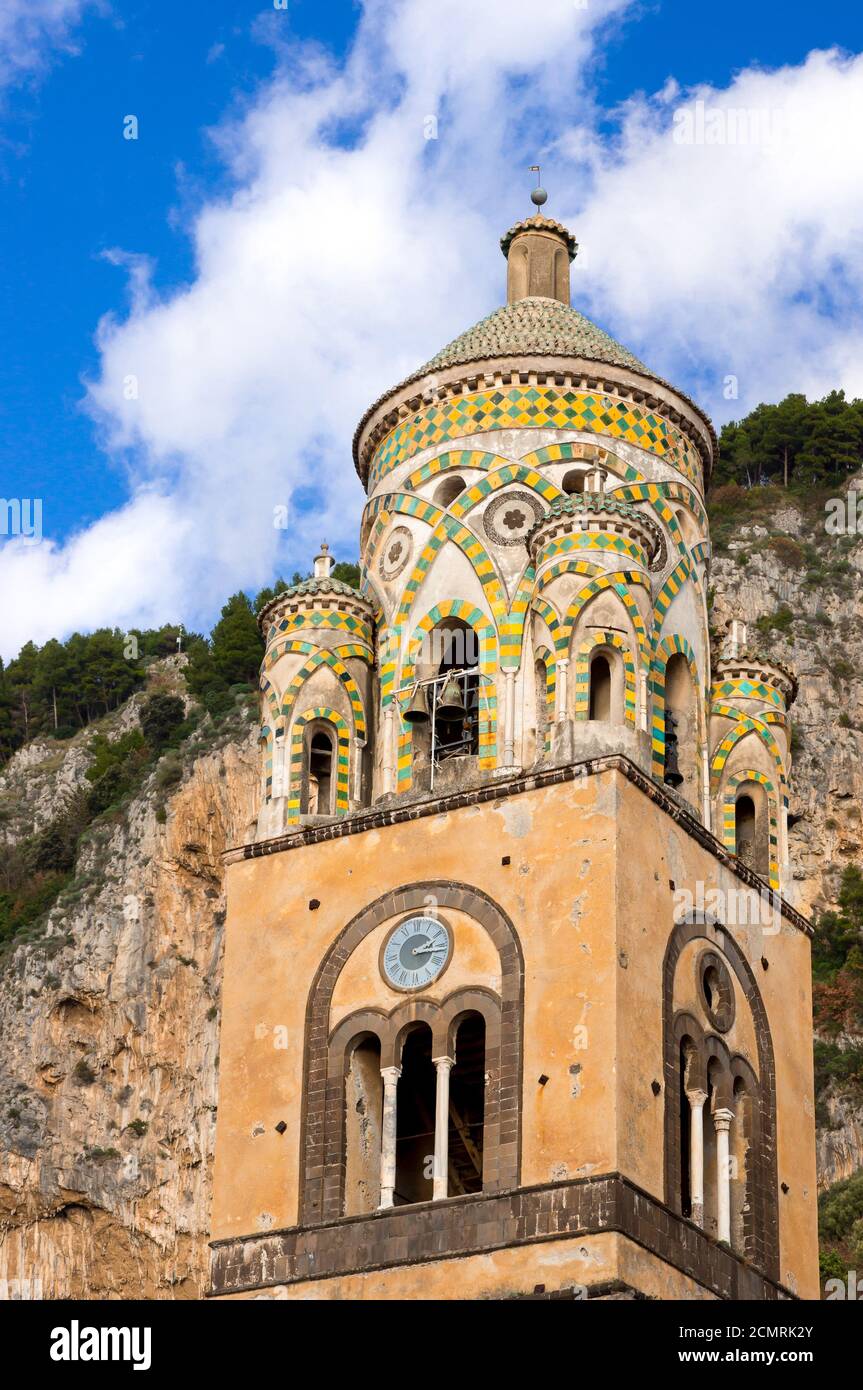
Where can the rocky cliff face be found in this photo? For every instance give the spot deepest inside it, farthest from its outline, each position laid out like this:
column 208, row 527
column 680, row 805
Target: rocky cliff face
column 109, row 1037
column 799, row 590
column 109, row 1021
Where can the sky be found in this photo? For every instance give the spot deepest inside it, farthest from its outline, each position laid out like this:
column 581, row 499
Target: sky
column 194, row 319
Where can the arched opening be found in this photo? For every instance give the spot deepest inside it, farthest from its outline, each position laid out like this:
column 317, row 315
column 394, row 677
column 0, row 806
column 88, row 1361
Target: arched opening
column 540, row 677
column 744, row 828
column 467, row 1107
column 447, row 491
column 574, row 481
column 752, row 827
column 599, row 705
column 687, row 1052
column 741, row 1196
column 688, row 527
column 319, row 781
column 681, row 729
column 415, row 1119
column 363, row 1109
column 448, row 666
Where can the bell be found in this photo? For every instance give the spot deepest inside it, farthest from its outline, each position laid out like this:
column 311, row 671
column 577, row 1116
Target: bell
column 417, row 711
column 673, row 776
column 450, row 706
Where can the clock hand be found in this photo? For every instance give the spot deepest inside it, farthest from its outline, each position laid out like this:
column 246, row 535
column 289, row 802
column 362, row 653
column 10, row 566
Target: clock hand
column 425, row 950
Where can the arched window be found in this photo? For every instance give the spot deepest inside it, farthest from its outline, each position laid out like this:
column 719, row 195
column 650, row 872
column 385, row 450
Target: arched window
column 319, row 781
column 574, row 481
column 467, row 1107
column 363, row 1107
column 447, row 491
column 415, row 1132
column 681, row 729
column 741, row 1194
column 744, row 828
column 600, row 689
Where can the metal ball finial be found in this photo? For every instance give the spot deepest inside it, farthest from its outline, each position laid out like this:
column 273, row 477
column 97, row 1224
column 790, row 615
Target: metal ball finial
column 538, row 196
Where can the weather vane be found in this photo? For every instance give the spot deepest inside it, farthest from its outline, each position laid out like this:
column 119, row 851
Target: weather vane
column 538, row 195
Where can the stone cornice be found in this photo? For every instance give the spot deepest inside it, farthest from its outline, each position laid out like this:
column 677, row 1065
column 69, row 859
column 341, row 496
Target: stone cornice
column 376, row 818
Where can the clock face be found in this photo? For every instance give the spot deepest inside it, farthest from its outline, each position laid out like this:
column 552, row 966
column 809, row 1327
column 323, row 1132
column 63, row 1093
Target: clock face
column 415, row 953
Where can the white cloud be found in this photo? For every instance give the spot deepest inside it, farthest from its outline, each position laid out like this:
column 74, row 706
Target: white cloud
column 742, row 257
column 353, row 248
column 31, row 31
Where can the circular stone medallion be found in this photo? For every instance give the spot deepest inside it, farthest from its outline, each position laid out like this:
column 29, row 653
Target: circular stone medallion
column 508, row 519
column 396, row 552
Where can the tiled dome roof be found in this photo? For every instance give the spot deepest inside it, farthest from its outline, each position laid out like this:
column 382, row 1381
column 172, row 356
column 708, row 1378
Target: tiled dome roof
column 533, row 327
column 320, row 586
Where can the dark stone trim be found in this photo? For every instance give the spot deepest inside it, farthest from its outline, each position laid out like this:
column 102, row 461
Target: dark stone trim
column 478, row 1224
column 762, row 1229
column 379, row 818
column 322, row 1120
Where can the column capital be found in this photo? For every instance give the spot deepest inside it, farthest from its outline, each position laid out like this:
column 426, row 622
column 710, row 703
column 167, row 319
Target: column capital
column 722, row 1119
column 444, row 1061
column 696, row 1098
column 391, row 1073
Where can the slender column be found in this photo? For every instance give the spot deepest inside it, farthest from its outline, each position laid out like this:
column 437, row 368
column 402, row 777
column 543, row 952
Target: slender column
column 562, row 668
column 696, row 1154
column 509, row 718
column 642, row 700
column 390, row 1077
column 722, row 1124
column 443, row 1067
column 388, row 751
column 705, row 783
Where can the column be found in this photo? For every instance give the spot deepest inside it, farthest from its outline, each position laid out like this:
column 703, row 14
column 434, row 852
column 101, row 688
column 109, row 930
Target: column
column 696, row 1155
column 562, row 668
column 440, row 1179
column 390, row 1076
column 387, row 769
column 509, row 720
column 722, row 1124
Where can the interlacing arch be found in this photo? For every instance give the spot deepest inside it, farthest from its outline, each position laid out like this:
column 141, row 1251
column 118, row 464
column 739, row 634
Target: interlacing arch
column 487, row 698
column 573, row 452
column 343, row 760
column 294, row 647
column 265, row 739
column 571, row 566
column 745, row 724
column 549, row 615
column 620, row 581
column 729, row 817
column 671, row 645
column 671, row 588
column 332, row 659
column 542, row 653
column 582, row 673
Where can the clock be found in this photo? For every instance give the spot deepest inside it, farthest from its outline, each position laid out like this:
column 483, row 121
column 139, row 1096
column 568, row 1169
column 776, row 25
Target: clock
column 415, row 953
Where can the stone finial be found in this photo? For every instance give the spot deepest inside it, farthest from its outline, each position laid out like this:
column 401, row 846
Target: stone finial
column 323, row 562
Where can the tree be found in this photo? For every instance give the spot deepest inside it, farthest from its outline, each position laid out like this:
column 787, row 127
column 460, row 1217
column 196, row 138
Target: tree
column 237, row 645
column 160, row 716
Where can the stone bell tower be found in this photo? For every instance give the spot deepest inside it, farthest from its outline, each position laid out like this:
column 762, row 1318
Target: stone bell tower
column 513, row 1003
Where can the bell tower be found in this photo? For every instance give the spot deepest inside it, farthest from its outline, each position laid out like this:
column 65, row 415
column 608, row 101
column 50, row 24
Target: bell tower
column 514, row 999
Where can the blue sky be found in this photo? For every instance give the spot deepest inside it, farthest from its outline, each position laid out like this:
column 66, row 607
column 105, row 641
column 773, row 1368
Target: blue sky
column 258, row 126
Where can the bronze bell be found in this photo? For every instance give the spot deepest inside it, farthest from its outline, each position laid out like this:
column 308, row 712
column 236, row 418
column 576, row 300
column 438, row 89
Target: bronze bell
column 673, row 776
column 417, row 711
column 450, row 706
